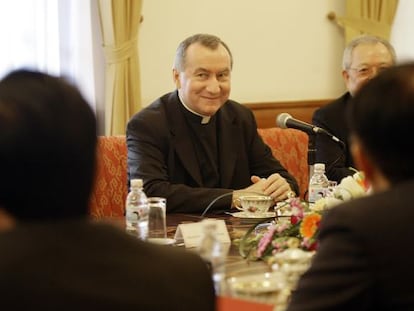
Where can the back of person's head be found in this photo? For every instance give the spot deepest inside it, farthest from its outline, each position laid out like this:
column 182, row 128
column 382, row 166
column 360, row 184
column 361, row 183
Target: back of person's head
column 47, row 147
column 365, row 39
column 207, row 40
column 381, row 116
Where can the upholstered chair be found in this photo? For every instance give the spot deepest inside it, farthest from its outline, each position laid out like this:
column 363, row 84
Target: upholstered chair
column 290, row 147
column 110, row 188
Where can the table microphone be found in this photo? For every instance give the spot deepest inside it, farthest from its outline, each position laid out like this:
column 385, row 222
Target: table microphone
column 285, row 120
column 214, row 201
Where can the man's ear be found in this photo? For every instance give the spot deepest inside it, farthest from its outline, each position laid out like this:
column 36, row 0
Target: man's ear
column 7, row 221
column 176, row 78
column 345, row 76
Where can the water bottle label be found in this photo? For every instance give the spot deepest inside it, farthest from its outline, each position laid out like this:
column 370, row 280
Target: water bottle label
column 316, row 193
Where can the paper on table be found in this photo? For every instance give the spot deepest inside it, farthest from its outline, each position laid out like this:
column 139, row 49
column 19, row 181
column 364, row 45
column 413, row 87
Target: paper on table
column 190, row 233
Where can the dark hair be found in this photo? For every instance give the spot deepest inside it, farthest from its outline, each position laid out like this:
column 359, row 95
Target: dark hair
column 47, row 147
column 381, row 115
column 206, row 40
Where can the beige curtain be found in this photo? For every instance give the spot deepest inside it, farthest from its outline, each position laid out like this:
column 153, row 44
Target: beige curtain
column 120, row 21
column 373, row 17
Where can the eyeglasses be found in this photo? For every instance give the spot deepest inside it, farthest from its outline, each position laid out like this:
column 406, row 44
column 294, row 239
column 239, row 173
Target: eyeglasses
column 366, row 71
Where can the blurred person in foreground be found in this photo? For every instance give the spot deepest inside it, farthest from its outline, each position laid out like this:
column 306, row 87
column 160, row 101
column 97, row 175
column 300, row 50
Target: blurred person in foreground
column 365, row 256
column 51, row 256
column 194, row 144
column 363, row 58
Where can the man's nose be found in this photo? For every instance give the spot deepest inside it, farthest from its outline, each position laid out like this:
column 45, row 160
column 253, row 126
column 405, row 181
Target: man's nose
column 374, row 71
column 213, row 85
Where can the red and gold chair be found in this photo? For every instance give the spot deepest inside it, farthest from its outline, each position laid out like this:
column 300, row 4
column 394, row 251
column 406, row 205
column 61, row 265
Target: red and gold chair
column 110, row 188
column 290, row 147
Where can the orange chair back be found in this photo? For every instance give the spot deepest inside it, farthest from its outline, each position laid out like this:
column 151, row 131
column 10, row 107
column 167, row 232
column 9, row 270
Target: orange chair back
column 290, row 147
column 110, row 188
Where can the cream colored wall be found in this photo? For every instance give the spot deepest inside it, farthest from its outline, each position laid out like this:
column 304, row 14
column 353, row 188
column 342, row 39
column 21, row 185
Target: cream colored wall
column 283, row 49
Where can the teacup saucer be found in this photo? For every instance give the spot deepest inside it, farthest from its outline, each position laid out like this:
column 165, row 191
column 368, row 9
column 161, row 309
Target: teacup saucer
column 254, row 216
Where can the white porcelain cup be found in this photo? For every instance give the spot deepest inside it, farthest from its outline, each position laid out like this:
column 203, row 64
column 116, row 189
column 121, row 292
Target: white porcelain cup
column 157, row 227
column 254, row 204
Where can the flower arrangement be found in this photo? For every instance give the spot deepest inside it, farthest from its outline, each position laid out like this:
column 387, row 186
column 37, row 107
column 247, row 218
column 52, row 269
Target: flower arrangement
column 298, row 222
column 350, row 187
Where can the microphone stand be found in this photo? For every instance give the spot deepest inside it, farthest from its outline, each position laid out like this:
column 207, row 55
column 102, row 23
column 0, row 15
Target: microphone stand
column 311, row 153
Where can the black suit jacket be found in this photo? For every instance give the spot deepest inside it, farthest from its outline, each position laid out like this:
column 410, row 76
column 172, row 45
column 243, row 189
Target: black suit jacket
column 161, row 152
column 332, row 117
column 83, row 266
column 365, row 258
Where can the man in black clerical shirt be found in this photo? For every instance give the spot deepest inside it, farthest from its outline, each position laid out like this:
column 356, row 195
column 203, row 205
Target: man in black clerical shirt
column 195, row 144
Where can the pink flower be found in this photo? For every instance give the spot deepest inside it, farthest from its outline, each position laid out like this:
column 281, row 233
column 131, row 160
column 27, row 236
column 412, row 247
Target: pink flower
column 281, row 227
column 265, row 240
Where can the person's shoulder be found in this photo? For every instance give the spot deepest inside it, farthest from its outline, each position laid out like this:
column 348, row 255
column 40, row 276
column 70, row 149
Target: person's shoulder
column 153, row 114
column 157, row 105
column 237, row 109
column 336, row 104
column 153, row 252
column 333, row 108
column 173, row 262
column 376, row 207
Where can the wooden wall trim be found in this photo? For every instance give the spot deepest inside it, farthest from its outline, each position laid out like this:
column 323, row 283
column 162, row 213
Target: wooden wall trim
column 267, row 112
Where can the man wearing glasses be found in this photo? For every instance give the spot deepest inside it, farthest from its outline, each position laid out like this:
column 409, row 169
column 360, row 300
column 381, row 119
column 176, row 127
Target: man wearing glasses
column 364, row 57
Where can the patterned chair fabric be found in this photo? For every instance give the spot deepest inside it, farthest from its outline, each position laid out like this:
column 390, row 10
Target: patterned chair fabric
column 290, row 147
column 110, row 188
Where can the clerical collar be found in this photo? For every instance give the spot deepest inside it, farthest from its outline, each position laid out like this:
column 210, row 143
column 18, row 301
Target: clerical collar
column 204, row 119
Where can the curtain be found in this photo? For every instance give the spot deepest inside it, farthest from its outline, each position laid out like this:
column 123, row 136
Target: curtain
column 402, row 31
column 373, row 17
column 119, row 24
column 50, row 36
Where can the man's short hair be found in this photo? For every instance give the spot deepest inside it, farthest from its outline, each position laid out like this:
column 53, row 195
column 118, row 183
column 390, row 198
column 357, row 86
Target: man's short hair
column 207, row 40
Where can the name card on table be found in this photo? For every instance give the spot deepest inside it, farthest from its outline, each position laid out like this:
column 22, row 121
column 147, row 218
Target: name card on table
column 191, row 233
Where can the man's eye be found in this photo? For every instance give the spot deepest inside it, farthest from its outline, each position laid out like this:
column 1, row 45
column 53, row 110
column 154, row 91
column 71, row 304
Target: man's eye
column 363, row 70
column 223, row 76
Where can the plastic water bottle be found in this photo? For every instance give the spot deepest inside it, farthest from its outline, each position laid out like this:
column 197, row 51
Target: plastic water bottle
column 136, row 210
column 318, row 184
column 213, row 253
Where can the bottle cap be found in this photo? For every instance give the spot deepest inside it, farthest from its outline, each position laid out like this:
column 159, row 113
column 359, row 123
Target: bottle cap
column 136, row 183
column 319, row 167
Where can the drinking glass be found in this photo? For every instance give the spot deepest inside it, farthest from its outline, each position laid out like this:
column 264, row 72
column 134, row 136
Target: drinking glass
column 157, row 227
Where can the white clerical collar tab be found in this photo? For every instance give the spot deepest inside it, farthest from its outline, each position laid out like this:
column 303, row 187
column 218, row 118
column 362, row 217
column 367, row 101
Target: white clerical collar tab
column 205, row 120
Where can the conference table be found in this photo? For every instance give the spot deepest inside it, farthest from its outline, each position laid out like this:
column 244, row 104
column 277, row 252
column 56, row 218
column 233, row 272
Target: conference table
column 234, row 264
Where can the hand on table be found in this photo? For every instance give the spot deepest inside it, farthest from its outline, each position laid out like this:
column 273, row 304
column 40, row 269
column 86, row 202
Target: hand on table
column 275, row 186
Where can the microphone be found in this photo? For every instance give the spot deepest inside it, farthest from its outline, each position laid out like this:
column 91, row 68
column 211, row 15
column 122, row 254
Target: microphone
column 214, row 201
column 285, row 120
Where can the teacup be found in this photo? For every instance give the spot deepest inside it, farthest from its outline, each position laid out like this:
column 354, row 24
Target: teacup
column 254, row 204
